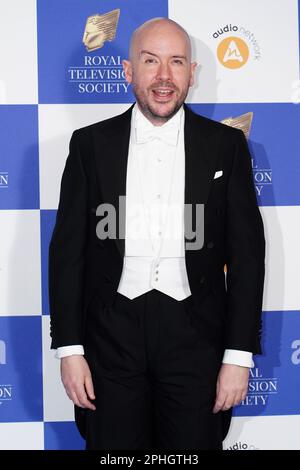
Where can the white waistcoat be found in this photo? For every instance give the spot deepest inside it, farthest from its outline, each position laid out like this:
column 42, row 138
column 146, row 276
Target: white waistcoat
column 154, row 225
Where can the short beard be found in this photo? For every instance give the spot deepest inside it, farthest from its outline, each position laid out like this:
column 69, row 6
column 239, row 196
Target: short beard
column 150, row 113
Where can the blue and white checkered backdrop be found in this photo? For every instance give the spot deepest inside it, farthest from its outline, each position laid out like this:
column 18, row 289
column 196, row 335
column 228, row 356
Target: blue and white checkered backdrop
column 49, row 85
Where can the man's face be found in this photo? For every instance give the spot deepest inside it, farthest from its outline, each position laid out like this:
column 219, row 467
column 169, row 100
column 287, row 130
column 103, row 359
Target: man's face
column 160, row 72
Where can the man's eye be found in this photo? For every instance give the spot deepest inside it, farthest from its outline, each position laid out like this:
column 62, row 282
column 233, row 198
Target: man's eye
column 150, row 61
column 178, row 61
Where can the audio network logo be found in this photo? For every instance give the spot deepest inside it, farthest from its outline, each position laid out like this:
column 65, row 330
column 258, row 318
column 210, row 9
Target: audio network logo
column 242, row 446
column 3, row 179
column 100, row 74
column 5, row 390
column 237, row 45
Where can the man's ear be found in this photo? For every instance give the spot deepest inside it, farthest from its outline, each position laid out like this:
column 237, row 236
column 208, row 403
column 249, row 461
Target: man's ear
column 192, row 77
column 127, row 67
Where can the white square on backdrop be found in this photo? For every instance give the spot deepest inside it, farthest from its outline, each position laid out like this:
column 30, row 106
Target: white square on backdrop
column 282, row 233
column 18, row 57
column 263, row 433
column 248, row 50
column 56, row 124
column 22, row 436
column 57, row 405
column 20, row 263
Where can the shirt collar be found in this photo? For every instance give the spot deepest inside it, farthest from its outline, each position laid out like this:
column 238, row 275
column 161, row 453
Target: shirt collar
column 138, row 119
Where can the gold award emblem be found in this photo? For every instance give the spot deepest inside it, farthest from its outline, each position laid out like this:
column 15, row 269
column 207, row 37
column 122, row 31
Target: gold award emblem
column 100, row 28
column 242, row 122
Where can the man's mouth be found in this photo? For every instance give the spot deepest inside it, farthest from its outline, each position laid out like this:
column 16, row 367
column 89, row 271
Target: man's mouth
column 163, row 93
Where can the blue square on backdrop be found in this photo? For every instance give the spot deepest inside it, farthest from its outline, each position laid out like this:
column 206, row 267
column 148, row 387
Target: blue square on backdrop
column 274, row 146
column 19, row 161
column 62, row 436
column 47, row 218
column 21, row 385
column 68, row 73
column 274, row 383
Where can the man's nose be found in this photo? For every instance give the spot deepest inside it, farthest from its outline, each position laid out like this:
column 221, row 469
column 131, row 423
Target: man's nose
column 164, row 72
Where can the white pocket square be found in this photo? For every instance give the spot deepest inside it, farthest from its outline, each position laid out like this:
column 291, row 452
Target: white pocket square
column 218, row 174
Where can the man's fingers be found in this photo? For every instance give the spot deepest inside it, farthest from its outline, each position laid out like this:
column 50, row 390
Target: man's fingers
column 224, row 401
column 232, row 386
column 234, row 400
column 229, row 402
column 220, row 400
column 81, row 400
column 239, row 398
column 73, row 397
column 82, row 397
column 79, row 397
column 84, row 402
column 89, row 387
column 76, row 378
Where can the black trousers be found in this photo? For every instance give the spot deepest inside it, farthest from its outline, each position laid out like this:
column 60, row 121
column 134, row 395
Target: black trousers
column 154, row 376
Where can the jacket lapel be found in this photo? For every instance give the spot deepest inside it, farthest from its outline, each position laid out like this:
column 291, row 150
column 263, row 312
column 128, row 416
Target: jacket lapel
column 200, row 161
column 112, row 168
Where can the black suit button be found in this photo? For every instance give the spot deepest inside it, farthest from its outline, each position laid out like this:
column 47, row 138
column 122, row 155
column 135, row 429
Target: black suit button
column 202, row 279
column 210, row 245
column 100, row 243
column 107, row 278
column 218, row 211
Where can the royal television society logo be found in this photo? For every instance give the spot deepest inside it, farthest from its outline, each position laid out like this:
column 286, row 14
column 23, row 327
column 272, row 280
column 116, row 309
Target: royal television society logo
column 5, row 389
column 242, row 122
column 100, row 28
column 3, row 179
column 101, row 73
column 260, row 388
column 236, row 46
column 262, row 177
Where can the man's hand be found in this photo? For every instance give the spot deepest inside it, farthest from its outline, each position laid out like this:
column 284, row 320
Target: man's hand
column 77, row 380
column 232, row 386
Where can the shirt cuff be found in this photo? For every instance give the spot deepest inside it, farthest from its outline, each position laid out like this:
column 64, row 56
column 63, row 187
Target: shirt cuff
column 65, row 351
column 238, row 358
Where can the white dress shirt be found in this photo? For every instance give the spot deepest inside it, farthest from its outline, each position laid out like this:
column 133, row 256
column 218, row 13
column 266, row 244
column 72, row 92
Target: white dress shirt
column 154, row 234
column 154, row 242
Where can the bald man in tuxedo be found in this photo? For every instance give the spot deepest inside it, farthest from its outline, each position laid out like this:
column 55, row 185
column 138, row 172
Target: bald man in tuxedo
column 155, row 341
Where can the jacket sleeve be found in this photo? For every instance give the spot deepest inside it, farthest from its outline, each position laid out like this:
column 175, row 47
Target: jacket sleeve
column 245, row 255
column 67, row 253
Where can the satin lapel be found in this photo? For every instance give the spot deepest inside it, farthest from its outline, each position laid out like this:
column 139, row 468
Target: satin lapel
column 200, row 159
column 112, row 152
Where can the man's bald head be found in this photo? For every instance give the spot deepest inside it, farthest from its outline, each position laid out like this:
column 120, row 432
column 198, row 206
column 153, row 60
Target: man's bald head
column 156, row 26
column 159, row 68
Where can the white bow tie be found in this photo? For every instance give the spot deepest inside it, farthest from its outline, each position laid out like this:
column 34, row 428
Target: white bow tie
column 168, row 135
